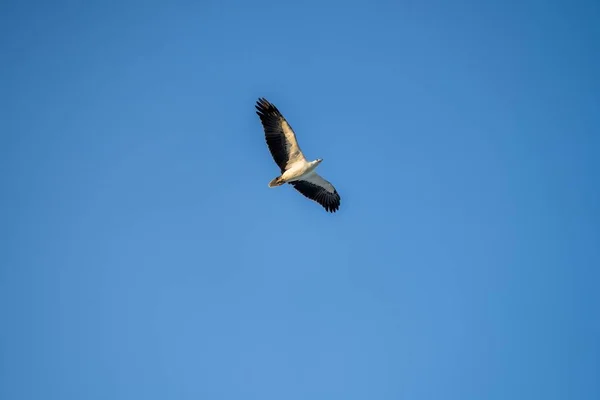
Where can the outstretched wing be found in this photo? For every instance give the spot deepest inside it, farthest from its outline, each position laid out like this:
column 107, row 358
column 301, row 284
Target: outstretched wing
column 279, row 135
column 318, row 189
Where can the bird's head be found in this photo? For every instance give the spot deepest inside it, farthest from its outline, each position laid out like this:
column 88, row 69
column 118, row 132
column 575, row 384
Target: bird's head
column 318, row 161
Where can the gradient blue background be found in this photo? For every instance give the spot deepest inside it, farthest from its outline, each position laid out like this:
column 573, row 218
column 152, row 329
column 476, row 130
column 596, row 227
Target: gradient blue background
column 143, row 256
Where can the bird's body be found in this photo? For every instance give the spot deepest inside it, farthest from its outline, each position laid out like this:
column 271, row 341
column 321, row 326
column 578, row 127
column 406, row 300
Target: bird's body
column 295, row 169
column 298, row 171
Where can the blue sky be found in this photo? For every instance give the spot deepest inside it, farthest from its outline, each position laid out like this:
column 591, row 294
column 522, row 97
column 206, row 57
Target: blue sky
column 144, row 257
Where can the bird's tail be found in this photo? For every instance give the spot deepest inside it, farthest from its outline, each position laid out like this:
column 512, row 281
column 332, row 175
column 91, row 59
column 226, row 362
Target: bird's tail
column 276, row 182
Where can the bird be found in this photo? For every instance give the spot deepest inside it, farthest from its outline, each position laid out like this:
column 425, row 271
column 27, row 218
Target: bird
column 295, row 169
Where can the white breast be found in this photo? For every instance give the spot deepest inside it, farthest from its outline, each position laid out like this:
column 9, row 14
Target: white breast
column 296, row 170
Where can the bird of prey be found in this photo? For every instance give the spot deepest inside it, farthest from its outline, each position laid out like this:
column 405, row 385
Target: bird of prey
column 295, row 169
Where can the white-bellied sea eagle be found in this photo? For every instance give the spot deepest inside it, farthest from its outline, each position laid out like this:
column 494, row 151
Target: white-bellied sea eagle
column 295, row 169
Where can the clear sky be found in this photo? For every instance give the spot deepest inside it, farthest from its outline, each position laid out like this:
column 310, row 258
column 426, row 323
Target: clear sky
column 144, row 257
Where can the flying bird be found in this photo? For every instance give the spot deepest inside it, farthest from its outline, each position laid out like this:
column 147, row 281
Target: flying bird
column 295, row 169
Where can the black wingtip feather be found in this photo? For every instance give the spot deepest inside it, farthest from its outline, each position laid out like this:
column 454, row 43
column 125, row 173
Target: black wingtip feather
column 329, row 201
column 264, row 108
